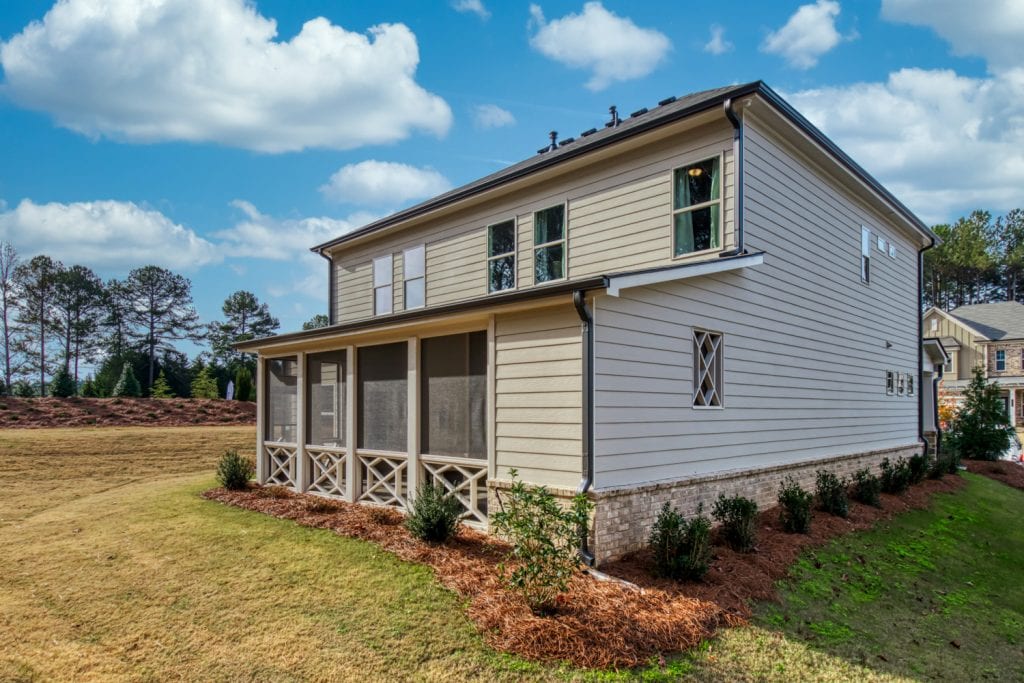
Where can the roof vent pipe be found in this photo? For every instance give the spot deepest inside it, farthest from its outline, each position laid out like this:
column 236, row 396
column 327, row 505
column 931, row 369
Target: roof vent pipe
column 554, row 140
column 614, row 111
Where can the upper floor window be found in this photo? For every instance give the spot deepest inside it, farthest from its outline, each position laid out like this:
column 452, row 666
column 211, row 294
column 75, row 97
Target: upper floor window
column 501, row 256
column 935, row 324
column 414, row 269
column 910, row 384
column 901, row 383
column 1000, row 360
column 890, row 382
column 549, row 244
column 707, row 369
column 865, row 254
column 697, row 207
column 383, row 277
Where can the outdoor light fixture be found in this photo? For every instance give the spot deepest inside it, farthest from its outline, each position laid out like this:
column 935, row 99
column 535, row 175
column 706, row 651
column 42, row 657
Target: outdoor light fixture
column 695, row 172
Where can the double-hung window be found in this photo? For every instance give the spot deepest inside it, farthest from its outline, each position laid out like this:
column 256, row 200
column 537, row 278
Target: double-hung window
column 549, row 244
column 501, row 256
column 865, row 255
column 697, row 207
column 707, row 369
column 414, row 273
column 1000, row 360
column 383, row 277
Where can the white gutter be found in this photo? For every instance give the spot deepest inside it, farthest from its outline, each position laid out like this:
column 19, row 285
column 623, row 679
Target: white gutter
column 616, row 283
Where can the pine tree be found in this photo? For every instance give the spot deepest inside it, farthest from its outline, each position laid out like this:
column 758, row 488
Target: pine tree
column 205, row 385
column 159, row 311
column 982, row 428
column 63, row 384
column 243, row 385
column 35, row 283
column 161, row 389
column 316, row 322
column 127, row 385
column 245, row 318
column 89, row 388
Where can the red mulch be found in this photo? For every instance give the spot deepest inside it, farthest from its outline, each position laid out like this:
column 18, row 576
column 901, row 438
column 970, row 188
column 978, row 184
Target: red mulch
column 123, row 412
column 598, row 624
column 1006, row 471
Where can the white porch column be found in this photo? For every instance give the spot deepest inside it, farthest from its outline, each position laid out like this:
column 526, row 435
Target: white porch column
column 261, row 411
column 492, row 399
column 413, row 417
column 301, row 466
column 351, row 470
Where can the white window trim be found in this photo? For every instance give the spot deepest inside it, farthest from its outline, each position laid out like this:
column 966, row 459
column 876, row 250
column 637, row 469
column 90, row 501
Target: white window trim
column 514, row 254
column 901, row 383
column 564, row 242
column 721, row 210
column 717, row 378
column 391, row 283
column 997, row 368
column 406, row 281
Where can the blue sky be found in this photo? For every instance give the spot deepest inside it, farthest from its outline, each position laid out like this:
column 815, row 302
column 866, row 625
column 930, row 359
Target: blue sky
column 201, row 136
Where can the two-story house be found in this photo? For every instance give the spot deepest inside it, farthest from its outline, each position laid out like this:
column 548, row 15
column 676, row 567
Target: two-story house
column 699, row 298
column 989, row 336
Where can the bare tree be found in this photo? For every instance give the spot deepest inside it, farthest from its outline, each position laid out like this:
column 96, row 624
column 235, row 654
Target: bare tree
column 8, row 296
column 35, row 282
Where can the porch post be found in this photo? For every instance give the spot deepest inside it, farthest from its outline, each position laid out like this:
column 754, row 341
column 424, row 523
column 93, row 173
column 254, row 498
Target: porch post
column 351, row 470
column 301, row 466
column 492, row 397
column 261, row 411
column 413, row 416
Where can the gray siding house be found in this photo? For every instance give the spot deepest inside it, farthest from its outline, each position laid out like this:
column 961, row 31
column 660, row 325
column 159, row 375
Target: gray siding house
column 701, row 298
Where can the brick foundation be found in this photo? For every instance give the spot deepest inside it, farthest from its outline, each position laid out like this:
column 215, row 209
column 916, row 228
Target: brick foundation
column 623, row 516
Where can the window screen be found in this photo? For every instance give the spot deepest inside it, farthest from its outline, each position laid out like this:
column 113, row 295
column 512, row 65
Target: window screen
column 453, row 395
column 325, row 373
column 282, row 395
column 383, row 397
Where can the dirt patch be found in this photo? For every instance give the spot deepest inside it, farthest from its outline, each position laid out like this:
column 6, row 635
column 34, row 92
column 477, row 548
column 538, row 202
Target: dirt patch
column 21, row 413
column 1009, row 473
column 598, row 624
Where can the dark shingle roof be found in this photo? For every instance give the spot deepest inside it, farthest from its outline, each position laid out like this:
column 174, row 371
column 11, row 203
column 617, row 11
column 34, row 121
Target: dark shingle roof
column 1003, row 320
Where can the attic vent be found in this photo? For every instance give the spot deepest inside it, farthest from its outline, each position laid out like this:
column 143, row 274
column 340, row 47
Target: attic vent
column 667, row 100
column 565, row 142
column 588, row 132
column 614, row 111
column 554, row 140
column 638, row 112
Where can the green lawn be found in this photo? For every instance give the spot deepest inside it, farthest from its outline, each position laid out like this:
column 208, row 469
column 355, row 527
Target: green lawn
column 125, row 573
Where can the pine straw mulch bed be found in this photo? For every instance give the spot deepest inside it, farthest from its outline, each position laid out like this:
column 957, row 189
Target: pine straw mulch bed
column 1008, row 472
column 38, row 413
column 598, row 624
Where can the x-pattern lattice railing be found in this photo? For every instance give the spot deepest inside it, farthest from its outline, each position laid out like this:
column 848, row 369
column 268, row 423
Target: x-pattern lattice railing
column 463, row 478
column 281, row 464
column 327, row 471
column 706, row 360
column 384, row 479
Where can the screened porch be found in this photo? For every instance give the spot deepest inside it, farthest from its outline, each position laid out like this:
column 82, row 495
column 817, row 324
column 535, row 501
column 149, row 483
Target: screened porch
column 372, row 423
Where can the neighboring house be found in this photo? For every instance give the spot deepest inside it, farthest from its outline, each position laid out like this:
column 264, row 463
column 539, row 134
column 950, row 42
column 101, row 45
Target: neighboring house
column 989, row 336
column 697, row 299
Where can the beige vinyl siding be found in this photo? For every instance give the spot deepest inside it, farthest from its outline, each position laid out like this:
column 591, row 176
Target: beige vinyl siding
column 969, row 355
column 354, row 287
column 538, row 396
column 805, row 341
column 619, row 218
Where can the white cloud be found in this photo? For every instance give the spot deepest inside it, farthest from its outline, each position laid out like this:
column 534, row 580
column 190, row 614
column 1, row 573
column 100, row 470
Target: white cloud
column 104, row 235
column 994, row 31
column 213, row 71
column 941, row 142
column 613, row 48
column 492, row 116
column 383, row 183
column 261, row 236
column 809, row 33
column 718, row 45
column 474, row 6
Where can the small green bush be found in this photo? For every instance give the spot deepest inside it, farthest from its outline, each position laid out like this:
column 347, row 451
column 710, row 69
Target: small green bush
column 866, row 488
column 938, row 466
column 543, row 535
column 89, row 388
column 952, row 454
column 681, row 548
column 24, row 389
column 234, row 471
column 831, row 491
column 738, row 516
column 63, row 385
column 918, row 468
column 895, row 476
column 433, row 514
column 795, row 507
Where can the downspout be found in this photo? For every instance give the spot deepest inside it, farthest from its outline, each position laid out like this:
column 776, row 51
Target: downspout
column 737, row 151
column 587, row 481
column 936, row 378
column 330, row 287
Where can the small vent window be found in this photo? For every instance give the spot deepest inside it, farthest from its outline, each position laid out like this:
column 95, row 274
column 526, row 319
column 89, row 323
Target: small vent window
column 890, row 382
column 707, row 369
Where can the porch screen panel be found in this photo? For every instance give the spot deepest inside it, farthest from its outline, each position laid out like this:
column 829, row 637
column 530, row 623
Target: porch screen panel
column 325, row 375
column 383, row 397
column 453, row 395
column 282, row 399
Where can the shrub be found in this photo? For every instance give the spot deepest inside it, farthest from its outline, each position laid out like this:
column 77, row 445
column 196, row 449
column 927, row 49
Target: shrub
column 831, row 491
column 982, row 428
column 433, row 514
column 24, row 389
column 795, row 507
column 917, row 468
column 737, row 516
column 866, row 488
column 89, row 389
column 543, row 535
column 160, row 388
column 63, row 385
column 204, row 385
column 952, row 458
column 322, row 506
column 681, row 548
column 234, row 471
column 895, row 477
column 127, row 385
column 939, row 466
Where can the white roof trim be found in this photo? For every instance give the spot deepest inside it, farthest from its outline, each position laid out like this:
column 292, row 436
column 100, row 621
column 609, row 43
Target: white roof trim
column 933, row 344
column 616, row 283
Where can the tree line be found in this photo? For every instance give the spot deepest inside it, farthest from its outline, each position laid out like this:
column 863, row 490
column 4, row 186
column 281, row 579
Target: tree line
column 56, row 320
column 980, row 260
